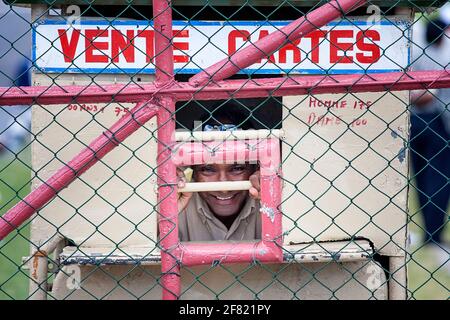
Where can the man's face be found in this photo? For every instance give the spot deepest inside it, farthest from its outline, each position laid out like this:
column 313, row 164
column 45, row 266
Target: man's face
column 224, row 203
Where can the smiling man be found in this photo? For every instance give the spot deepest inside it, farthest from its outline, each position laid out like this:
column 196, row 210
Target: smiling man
column 221, row 215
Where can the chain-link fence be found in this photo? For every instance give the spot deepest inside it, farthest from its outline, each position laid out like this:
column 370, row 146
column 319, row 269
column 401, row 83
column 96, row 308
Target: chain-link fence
column 224, row 149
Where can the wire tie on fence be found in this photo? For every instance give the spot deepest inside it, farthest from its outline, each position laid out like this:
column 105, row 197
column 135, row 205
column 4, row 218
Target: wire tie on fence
column 163, row 218
column 180, row 260
column 62, row 88
column 172, row 255
column 40, row 253
column 171, row 273
column 255, row 247
column 168, row 184
column 111, row 137
column 251, row 147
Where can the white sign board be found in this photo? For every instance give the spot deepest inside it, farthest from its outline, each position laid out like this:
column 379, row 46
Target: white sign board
column 346, row 46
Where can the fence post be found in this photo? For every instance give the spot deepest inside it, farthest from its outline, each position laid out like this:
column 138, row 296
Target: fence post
column 167, row 195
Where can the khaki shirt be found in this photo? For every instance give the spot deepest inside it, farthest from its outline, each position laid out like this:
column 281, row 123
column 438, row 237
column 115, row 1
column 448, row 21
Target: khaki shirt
column 198, row 223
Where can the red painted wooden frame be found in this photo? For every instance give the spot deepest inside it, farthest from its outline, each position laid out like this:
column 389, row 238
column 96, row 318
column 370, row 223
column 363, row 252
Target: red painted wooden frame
column 159, row 99
column 267, row 152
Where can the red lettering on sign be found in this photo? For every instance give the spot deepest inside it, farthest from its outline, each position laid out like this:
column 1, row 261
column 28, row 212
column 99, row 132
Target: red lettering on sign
column 149, row 37
column 69, row 47
column 343, row 46
column 120, row 110
column 293, row 46
column 333, row 120
column 91, row 108
column 122, row 45
column 336, row 46
column 359, row 122
column 323, row 120
column 236, row 34
column 91, row 45
column 371, row 47
column 316, row 103
column 180, row 45
column 262, row 34
column 315, row 37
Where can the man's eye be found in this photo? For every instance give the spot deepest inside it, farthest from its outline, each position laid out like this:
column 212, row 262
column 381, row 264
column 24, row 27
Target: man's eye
column 238, row 168
column 207, row 169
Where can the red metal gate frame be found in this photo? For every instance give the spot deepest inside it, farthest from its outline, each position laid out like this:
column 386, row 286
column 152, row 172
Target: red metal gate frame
column 159, row 98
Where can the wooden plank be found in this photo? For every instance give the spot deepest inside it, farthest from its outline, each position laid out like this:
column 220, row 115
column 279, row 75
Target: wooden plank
column 341, row 251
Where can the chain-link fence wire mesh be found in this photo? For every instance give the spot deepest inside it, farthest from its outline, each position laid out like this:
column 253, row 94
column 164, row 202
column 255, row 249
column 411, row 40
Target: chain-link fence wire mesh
column 358, row 168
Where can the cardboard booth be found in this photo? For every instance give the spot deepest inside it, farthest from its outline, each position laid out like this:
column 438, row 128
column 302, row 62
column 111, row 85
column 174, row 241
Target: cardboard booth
column 344, row 160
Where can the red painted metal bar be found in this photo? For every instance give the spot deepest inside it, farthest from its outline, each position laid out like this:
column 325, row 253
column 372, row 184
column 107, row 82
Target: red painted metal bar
column 267, row 152
column 98, row 148
column 276, row 40
column 229, row 151
column 167, row 193
column 270, row 182
column 197, row 253
column 295, row 85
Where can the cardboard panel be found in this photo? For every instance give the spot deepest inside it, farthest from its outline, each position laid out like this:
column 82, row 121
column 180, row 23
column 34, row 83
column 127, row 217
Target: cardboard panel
column 345, row 168
column 360, row 280
column 112, row 203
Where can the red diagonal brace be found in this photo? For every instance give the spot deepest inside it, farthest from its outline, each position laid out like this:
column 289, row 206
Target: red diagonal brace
column 276, row 40
column 98, row 148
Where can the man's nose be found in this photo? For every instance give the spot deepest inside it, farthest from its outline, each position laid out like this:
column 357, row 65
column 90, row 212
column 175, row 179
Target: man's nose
column 223, row 175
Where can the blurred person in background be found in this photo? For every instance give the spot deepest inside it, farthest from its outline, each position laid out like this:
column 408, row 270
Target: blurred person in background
column 15, row 61
column 430, row 133
column 16, row 126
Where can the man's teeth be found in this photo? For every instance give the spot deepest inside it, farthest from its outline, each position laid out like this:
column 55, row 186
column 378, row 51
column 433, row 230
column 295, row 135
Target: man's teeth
column 224, row 198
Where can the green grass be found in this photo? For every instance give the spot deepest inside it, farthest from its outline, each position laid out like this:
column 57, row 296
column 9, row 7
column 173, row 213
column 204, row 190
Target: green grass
column 425, row 279
column 14, row 185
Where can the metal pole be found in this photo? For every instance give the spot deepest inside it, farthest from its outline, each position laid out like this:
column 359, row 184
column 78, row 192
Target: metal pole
column 295, row 85
column 39, row 268
column 167, row 195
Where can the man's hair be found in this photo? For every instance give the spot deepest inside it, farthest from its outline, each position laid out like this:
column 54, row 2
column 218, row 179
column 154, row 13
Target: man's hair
column 435, row 31
column 230, row 112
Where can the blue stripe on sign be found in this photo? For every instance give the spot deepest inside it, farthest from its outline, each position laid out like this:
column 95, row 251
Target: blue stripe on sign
column 194, row 71
column 214, row 23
